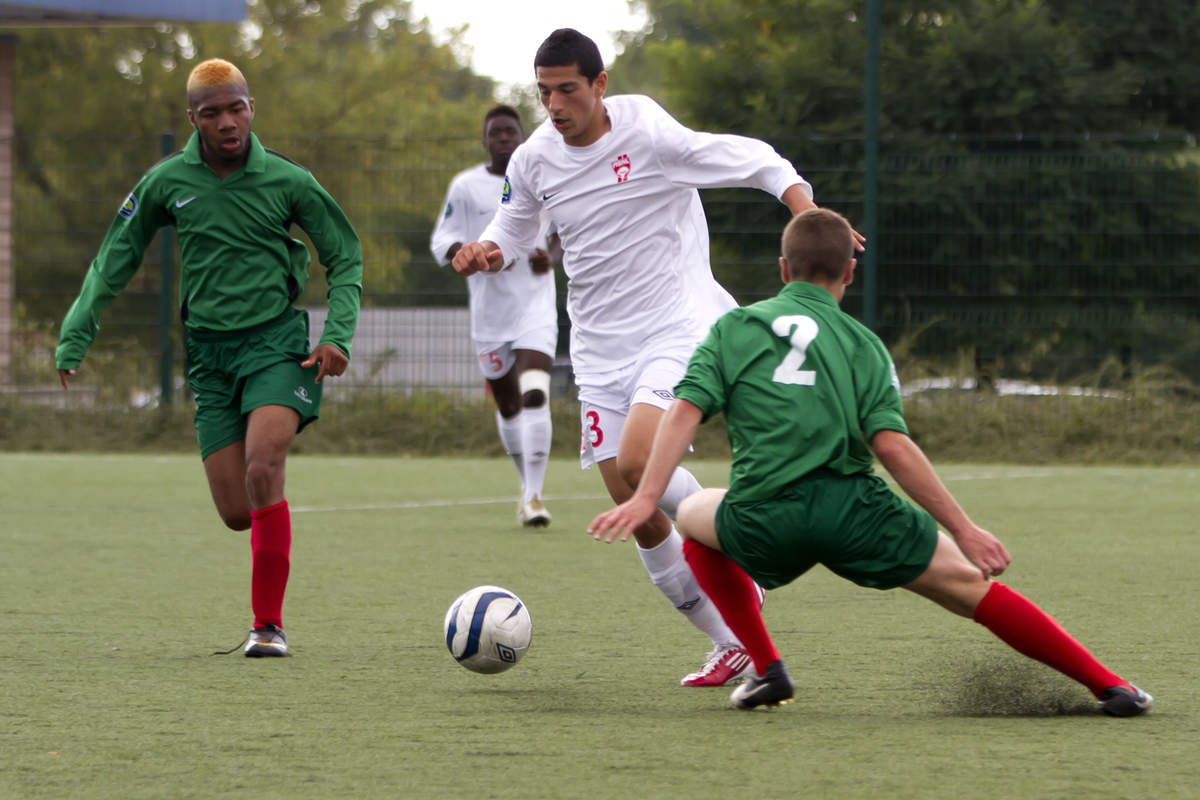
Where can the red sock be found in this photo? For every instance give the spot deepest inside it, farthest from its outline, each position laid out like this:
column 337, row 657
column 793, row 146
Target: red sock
column 1032, row 632
column 735, row 596
column 270, row 551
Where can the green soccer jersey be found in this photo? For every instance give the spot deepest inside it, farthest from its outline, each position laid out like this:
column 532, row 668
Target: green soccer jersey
column 802, row 384
column 240, row 265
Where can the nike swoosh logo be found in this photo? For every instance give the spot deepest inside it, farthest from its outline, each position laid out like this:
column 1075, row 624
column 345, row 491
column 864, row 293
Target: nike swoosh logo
column 546, row 197
column 182, row 203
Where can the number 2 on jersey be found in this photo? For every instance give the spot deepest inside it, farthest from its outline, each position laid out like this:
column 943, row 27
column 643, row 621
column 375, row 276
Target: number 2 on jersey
column 800, row 331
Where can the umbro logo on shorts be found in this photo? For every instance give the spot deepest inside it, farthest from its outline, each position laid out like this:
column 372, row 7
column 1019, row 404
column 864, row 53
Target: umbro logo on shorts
column 665, row 394
column 302, row 393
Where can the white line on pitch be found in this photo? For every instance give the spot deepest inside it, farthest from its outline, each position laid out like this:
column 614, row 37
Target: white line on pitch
column 467, row 501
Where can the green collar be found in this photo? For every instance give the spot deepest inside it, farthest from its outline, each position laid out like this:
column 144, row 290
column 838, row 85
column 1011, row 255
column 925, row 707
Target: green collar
column 256, row 158
column 810, row 290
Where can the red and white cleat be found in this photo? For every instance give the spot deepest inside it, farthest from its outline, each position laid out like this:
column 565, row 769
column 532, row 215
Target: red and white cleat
column 725, row 664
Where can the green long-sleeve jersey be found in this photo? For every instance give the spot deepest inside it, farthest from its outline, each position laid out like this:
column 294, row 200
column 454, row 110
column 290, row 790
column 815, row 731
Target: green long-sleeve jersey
column 240, row 265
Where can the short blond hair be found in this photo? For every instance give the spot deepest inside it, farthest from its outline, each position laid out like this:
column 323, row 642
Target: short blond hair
column 212, row 73
column 818, row 244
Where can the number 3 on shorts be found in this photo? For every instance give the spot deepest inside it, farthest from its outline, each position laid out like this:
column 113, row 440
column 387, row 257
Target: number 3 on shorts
column 592, row 435
column 800, row 331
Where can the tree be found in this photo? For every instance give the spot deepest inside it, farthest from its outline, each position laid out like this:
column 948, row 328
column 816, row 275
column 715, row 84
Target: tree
column 353, row 89
column 1030, row 164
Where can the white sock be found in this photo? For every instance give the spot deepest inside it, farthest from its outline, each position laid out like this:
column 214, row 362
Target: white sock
column 671, row 574
column 681, row 485
column 510, row 437
column 535, row 448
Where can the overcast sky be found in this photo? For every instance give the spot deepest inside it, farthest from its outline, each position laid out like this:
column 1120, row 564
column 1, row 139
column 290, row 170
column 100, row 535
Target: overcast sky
column 505, row 34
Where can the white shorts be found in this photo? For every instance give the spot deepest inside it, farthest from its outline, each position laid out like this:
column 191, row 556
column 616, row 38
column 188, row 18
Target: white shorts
column 497, row 358
column 604, row 402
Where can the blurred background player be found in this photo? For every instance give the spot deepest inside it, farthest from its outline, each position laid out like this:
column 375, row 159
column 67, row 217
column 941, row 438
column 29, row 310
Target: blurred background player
column 809, row 394
column 514, row 320
column 617, row 178
column 254, row 378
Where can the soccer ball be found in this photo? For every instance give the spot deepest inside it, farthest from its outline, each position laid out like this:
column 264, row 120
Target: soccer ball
column 487, row 629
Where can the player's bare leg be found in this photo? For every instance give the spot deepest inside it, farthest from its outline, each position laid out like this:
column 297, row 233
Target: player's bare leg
column 738, row 599
column 269, row 433
column 955, row 583
column 660, row 547
column 226, row 473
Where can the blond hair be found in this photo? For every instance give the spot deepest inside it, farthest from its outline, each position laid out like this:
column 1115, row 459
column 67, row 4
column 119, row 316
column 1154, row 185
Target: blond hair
column 212, row 73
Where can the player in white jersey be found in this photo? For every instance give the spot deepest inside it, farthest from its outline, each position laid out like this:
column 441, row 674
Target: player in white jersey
column 514, row 320
column 618, row 178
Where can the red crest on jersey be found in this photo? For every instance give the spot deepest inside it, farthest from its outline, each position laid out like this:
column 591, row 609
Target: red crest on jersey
column 621, row 166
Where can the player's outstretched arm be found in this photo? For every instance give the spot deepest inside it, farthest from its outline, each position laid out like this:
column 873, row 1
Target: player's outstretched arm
column 907, row 463
column 475, row 257
column 798, row 201
column 329, row 360
column 675, row 434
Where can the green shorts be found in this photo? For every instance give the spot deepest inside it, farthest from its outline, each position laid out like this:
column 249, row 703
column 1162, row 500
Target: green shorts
column 231, row 373
column 854, row 525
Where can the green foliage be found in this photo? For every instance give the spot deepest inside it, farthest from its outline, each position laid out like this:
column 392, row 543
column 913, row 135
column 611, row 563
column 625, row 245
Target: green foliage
column 353, row 89
column 1038, row 195
column 1146, row 418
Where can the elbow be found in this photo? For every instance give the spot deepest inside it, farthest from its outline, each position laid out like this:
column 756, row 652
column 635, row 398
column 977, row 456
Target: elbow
column 889, row 446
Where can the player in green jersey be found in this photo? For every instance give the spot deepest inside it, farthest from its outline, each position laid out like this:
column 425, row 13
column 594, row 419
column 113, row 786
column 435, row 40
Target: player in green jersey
column 810, row 396
column 254, row 377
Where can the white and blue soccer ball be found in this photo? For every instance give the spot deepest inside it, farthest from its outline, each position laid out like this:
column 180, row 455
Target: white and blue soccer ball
column 488, row 629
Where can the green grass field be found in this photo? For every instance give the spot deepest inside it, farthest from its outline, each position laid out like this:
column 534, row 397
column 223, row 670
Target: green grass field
column 117, row 582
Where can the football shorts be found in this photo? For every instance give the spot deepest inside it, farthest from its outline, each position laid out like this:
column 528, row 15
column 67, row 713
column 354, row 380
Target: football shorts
column 604, row 402
column 855, row 525
column 231, row 373
column 497, row 358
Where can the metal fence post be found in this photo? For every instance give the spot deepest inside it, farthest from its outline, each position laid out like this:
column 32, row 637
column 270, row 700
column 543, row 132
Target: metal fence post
column 871, row 163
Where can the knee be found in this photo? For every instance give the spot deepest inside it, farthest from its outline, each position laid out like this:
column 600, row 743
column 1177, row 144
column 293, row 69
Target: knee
column 235, row 519
column 262, row 473
column 508, row 407
column 534, row 385
column 686, row 517
column 631, row 471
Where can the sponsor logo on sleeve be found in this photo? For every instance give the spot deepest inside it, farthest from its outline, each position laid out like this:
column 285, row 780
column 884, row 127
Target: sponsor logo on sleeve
column 622, row 167
column 506, row 195
column 449, row 210
column 129, row 208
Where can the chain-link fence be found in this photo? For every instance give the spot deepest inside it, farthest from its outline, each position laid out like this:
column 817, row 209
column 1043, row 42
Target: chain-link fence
column 1037, row 258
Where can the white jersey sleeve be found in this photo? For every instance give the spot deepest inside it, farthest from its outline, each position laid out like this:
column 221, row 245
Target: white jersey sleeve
column 507, row 304
column 720, row 160
column 453, row 226
column 517, row 223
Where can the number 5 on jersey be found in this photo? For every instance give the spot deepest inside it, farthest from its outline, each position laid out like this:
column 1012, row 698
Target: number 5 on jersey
column 800, row 331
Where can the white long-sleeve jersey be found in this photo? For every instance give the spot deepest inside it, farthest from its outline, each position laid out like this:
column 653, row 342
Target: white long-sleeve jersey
column 634, row 237
column 503, row 304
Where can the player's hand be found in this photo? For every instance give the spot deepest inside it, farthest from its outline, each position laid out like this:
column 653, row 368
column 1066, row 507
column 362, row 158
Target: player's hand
column 539, row 261
column 983, row 550
column 475, row 257
column 622, row 519
column 860, row 241
column 329, row 360
column 63, row 374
